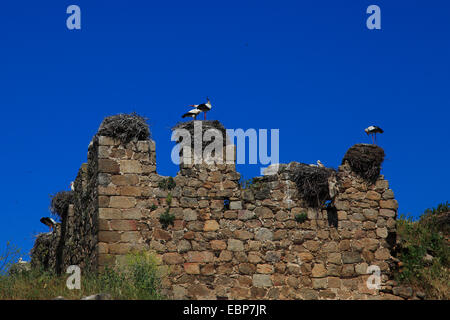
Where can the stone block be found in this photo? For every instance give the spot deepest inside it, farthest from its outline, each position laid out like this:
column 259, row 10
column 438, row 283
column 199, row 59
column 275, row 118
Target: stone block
column 264, row 234
column 200, row 256
column 130, row 166
column 261, row 280
column 235, row 205
column 172, row 258
column 108, row 166
column 108, row 236
column 109, row 213
column 210, row 225
column 123, row 225
column 235, row 245
column 122, row 202
column 319, row 270
column 218, row 245
column 351, row 257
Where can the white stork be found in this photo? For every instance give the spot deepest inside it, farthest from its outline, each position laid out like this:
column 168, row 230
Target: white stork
column 48, row 222
column 205, row 107
column 320, row 164
column 72, row 186
column 372, row 131
column 192, row 113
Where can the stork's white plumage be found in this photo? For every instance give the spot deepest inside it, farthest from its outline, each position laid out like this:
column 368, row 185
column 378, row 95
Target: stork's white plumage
column 372, row 131
column 320, row 164
column 192, row 113
column 205, row 107
column 48, row 222
column 72, row 186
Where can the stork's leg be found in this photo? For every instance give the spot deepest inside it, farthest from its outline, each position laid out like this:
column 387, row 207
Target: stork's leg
column 205, row 114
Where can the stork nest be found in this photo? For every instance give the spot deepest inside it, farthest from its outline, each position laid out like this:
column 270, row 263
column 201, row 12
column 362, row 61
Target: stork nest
column 125, row 127
column 206, row 125
column 312, row 183
column 365, row 160
column 59, row 204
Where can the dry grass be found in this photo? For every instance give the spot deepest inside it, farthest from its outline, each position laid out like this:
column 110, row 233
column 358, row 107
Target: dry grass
column 139, row 279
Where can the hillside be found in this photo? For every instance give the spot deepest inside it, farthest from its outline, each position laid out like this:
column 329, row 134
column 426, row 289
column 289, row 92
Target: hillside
column 423, row 247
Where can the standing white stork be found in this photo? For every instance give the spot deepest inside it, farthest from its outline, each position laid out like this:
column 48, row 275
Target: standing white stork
column 192, row 113
column 72, row 186
column 372, row 131
column 205, row 107
column 48, row 222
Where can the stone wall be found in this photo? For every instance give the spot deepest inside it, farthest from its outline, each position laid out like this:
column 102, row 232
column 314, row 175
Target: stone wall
column 227, row 242
column 230, row 243
column 74, row 240
column 80, row 228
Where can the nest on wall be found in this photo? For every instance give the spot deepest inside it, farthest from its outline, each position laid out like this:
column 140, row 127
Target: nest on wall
column 59, row 204
column 365, row 160
column 125, row 127
column 312, row 183
column 206, row 125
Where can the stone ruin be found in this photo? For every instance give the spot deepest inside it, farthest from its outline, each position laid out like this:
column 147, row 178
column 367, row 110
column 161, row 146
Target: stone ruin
column 226, row 242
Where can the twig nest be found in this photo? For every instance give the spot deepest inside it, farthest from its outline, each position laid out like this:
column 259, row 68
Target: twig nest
column 125, row 127
column 59, row 204
column 365, row 160
column 313, row 183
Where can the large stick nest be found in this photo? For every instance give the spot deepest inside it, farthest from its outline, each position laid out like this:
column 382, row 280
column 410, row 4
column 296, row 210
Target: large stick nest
column 59, row 204
column 206, row 125
column 365, row 160
column 312, row 183
column 125, row 127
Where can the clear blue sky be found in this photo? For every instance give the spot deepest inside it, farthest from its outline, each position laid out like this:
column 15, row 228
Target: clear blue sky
column 309, row 68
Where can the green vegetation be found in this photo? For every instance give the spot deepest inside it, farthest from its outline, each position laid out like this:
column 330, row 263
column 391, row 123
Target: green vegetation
column 8, row 257
column 424, row 252
column 166, row 218
column 138, row 278
column 255, row 183
column 301, row 217
column 167, row 184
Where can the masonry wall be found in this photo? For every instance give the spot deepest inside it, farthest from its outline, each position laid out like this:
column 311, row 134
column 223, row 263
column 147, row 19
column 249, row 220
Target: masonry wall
column 252, row 248
column 80, row 227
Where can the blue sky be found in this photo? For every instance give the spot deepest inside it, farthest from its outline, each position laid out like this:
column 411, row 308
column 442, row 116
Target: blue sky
column 309, row 68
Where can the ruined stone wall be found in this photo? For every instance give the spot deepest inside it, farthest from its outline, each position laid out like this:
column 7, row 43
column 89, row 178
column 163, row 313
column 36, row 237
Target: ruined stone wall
column 80, row 227
column 229, row 243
